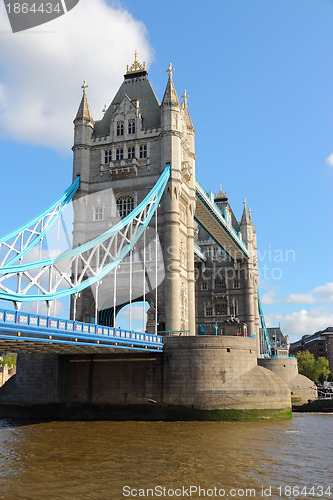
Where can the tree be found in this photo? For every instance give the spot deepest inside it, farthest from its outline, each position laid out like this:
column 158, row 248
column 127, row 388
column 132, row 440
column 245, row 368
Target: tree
column 9, row 359
column 316, row 370
column 322, row 369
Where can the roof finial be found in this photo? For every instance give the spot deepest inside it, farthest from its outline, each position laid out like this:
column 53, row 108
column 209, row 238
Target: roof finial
column 244, row 202
column 250, row 212
column 185, row 96
column 104, row 109
column 170, row 70
column 136, row 67
column 84, row 86
column 221, row 194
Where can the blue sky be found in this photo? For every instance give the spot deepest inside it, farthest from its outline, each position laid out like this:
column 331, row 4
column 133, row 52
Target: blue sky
column 259, row 75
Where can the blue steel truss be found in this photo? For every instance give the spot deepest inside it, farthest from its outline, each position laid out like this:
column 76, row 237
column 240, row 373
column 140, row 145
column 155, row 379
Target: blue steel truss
column 77, row 269
column 265, row 343
column 17, row 243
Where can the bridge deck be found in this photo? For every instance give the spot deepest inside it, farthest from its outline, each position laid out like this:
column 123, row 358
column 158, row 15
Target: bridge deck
column 23, row 332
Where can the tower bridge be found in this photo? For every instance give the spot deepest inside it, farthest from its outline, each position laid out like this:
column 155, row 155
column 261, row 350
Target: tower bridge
column 144, row 230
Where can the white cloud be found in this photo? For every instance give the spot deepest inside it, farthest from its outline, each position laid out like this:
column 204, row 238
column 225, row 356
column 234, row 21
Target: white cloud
column 269, row 297
column 301, row 322
column 320, row 295
column 42, row 70
column 329, row 160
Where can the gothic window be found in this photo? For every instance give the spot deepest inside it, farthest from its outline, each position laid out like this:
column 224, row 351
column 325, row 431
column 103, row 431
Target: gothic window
column 209, row 252
column 120, row 154
column 108, row 156
column 234, row 308
column 183, row 257
column 98, row 211
column 216, row 251
column 148, row 254
column 209, row 311
column 143, row 151
column 204, row 285
column 183, row 213
column 219, row 283
column 131, row 152
column 120, row 128
column 236, row 283
column 221, row 308
column 131, row 126
column 183, row 303
column 125, row 205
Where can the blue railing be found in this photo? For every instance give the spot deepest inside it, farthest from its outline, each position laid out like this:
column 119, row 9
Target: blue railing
column 56, row 330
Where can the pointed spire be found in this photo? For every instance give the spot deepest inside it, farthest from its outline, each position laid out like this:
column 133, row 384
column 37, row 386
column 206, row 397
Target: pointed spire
column 84, row 113
column 245, row 217
column 170, row 94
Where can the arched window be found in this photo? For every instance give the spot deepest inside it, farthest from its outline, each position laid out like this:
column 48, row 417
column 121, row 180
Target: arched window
column 234, row 308
column 219, row 283
column 221, row 308
column 143, row 151
column 108, row 156
column 131, row 126
column 120, row 128
column 119, row 154
column 125, row 205
column 183, row 303
column 131, row 152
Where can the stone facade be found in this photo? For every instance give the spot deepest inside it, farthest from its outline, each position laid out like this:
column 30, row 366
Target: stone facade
column 302, row 388
column 227, row 287
column 125, row 153
column 194, row 374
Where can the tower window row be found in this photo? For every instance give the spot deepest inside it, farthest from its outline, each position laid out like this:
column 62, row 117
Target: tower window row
column 125, row 205
column 219, row 284
column 130, row 127
column 120, row 152
column 221, row 309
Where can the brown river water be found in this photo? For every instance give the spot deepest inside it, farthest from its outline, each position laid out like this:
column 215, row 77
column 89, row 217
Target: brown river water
column 117, row 460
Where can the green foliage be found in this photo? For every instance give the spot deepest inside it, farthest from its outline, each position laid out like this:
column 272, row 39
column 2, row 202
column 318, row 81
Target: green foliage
column 9, row 359
column 315, row 369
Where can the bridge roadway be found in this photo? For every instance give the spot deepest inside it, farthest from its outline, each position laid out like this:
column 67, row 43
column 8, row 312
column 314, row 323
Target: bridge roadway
column 23, row 332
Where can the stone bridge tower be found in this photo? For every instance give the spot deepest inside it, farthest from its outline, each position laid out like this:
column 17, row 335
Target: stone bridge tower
column 124, row 153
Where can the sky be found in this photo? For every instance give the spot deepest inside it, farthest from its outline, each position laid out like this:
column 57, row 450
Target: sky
column 259, row 76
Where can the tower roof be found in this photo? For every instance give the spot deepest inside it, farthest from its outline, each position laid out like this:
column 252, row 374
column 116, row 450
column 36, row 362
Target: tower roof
column 170, row 94
column 84, row 113
column 245, row 216
column 136, row 87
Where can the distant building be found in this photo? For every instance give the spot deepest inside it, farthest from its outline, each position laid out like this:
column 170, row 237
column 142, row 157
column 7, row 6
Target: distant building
column 319, row 344
column 279, row 342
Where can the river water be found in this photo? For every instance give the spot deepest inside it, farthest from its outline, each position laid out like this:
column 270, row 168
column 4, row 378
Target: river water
column 116, row 460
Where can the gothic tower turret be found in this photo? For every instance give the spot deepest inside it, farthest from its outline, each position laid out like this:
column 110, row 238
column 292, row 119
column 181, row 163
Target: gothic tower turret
column 250, row 269
column 83, row 129
column 125, row 153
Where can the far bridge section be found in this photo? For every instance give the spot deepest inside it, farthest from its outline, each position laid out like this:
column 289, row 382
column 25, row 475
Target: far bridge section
column 23, row 332
column 218, row 225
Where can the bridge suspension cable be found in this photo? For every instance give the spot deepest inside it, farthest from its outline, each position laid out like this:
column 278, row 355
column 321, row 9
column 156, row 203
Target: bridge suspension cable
column 74, row 270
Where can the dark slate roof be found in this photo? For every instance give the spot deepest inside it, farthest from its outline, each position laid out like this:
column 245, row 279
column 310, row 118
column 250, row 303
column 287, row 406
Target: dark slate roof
column 136, row 88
